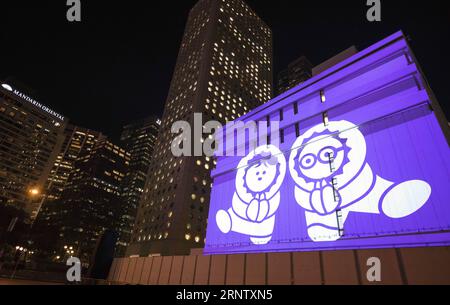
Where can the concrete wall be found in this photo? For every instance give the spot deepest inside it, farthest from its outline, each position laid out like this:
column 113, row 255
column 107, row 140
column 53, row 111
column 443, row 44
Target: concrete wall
column 398, row 266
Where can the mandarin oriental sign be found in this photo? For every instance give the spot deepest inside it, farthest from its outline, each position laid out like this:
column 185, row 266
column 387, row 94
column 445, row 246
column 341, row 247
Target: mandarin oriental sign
column 33, row 102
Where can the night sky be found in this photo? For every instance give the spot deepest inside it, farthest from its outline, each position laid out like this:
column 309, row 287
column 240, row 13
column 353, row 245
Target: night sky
column 116, row 65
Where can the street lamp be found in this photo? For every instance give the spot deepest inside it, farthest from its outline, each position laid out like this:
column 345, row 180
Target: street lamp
column 22, row 255
column 34, row 192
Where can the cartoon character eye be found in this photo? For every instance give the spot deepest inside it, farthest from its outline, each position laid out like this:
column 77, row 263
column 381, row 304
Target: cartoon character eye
column 308, row 161
column 326, row 154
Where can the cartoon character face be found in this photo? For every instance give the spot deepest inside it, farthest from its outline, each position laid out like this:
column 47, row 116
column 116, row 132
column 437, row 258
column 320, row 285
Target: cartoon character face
column 260, row 176
column 321, row 159
column 261, row 173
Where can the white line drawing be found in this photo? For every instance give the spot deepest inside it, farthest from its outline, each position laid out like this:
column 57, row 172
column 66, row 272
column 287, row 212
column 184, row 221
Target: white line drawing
column 257, row 197
column 328, row 165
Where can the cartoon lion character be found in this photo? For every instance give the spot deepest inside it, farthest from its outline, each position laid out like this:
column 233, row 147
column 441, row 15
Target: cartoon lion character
column 257, row 198
column 328, row 165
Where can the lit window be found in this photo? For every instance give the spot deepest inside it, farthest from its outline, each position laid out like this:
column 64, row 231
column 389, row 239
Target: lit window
column 325, row 118
column 323, row 98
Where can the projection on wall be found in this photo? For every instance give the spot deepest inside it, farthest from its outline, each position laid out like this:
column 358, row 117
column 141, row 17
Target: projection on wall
column 366, row 167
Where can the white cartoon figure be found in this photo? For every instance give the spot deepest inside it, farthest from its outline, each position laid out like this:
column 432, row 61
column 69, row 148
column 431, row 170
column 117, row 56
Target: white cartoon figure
column 328, row 165
column 257, row 197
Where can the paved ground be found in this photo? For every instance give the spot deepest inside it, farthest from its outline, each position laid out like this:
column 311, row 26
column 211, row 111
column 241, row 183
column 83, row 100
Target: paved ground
column 8, row 282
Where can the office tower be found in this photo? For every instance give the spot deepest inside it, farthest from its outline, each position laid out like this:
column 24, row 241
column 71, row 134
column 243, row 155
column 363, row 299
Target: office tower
column 31, row 135
column 296, row 73
column 78, row 141
column 223, row 70
column 91, row 201
column 138, row 138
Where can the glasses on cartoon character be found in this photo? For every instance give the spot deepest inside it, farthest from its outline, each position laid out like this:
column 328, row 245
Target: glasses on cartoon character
column 324, row 156
column 323, row 159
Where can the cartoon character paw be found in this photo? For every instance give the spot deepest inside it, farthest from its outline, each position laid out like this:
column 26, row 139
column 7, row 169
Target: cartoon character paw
column 406, row 198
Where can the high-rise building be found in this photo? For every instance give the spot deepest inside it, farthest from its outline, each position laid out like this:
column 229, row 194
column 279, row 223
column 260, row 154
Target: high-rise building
column 78, row 142
column 138, row 138
column 31, row 135
column 224, row 69
column 296, row 73
column 91, row 201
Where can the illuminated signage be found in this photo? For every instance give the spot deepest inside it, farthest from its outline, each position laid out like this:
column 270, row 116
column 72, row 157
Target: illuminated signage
column 7, row 87
column 33, row 102
column 363, row 163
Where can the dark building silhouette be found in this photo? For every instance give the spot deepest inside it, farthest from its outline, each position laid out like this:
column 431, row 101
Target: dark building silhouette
column 104, row 255
column 91, row 202
column 224, row 69
column 331, row 62
column 296, row 73
column 78, row 142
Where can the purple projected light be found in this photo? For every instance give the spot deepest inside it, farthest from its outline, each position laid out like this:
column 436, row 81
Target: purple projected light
column 374, row 172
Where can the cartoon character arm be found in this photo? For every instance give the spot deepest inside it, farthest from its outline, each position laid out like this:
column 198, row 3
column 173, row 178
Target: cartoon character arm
column 274, row 204
column 239, row 206
column 303, row 198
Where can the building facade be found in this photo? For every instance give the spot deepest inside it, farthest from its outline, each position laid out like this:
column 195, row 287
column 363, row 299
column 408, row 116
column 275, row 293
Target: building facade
column 138, row 138
column 31, row 136
column 362, row 161
column 78, row 142
column 223, row 70
column 296, row 73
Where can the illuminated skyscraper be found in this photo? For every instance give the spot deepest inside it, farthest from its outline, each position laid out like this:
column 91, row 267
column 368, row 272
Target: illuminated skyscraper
column 224, row 69
column 138, row 138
